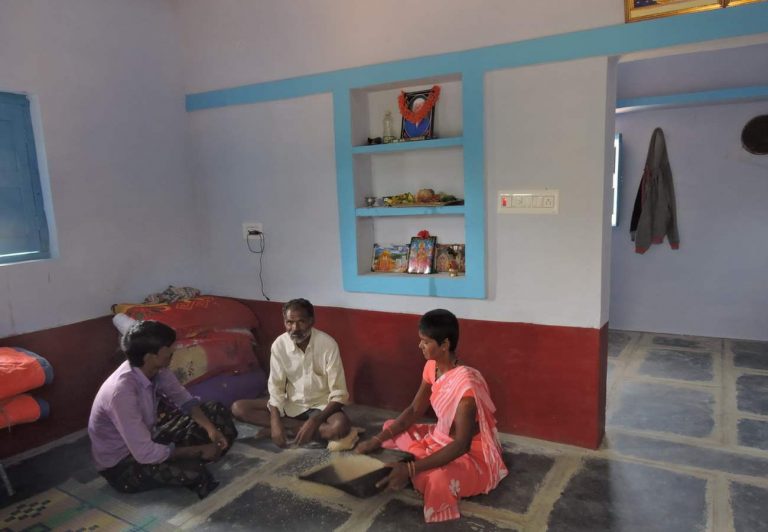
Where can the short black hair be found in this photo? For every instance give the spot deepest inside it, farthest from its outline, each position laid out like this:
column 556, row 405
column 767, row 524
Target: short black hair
column 440, row 324
column 301, row 303
column 145, row 337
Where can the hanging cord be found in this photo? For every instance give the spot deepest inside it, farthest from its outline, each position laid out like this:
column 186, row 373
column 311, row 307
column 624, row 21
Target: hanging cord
column 260, row 253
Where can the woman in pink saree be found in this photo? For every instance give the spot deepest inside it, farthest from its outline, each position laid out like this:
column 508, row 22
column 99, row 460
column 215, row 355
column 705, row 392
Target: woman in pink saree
column 460, row 455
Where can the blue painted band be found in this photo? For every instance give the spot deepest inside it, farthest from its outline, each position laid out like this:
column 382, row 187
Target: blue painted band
column 406, row 146
column 694, row 98
column 409, row 211
column 606, row 41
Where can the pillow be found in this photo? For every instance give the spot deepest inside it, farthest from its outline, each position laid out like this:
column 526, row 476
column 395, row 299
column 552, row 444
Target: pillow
column 22, row 409
column 21, row 371
column 212, row 353
column 190, row 317
column 227, row 389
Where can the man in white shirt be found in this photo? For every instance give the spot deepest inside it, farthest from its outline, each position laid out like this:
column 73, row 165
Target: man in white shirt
column 307, row 388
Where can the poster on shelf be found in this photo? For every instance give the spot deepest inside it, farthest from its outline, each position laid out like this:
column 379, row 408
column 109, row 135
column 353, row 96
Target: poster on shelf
column 449, row 258
column 421, row 256
column 390, row 258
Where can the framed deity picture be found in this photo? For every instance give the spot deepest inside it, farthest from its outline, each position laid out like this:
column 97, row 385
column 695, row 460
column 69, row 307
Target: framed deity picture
column 418, row 110
column 421, row 255
column 635, row 10
column 449, row 258
column 390, row 258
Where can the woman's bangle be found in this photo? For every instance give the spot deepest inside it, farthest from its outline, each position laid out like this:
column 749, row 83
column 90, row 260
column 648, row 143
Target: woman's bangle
column 411, row 468
column 377, row 439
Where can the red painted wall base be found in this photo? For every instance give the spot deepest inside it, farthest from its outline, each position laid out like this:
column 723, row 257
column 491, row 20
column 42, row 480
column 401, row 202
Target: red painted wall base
column 547, row 382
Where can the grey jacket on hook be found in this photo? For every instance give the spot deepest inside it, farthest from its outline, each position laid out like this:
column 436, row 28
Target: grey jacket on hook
column 655, row 214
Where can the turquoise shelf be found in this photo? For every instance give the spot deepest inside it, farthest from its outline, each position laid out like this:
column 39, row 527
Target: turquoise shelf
column 349, row 159
column 409, row 211
column 407, row 146
column 434, row 285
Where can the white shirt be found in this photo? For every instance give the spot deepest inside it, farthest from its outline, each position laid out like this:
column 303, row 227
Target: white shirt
column 300, row 380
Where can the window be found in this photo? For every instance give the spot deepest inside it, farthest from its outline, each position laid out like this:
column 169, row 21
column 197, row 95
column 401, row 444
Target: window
column 23, row 223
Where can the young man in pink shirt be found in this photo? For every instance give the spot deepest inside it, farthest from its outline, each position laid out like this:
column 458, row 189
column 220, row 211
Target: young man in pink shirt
column 136, row 449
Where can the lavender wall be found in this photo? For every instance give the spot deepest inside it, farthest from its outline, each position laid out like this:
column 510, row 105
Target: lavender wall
column 716, row 283
column 107, row 77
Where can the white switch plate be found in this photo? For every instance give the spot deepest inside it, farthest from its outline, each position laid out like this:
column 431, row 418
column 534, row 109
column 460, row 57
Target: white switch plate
column 544, row 201
column 251, row 226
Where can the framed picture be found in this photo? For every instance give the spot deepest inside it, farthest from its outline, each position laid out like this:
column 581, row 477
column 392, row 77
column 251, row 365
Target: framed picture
column 449, row 258
column 421, row 255
column 635, row 10
column 390, row 258
column 418, row 110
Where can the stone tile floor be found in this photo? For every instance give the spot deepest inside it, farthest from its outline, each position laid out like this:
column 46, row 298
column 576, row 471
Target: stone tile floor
column 686, row 449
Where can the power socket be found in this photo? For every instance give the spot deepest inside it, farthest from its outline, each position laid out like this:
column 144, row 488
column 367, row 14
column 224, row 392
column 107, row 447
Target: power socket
column 249, row 229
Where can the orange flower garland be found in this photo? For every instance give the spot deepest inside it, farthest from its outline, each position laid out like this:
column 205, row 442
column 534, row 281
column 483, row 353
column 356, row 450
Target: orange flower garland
column 417, row 116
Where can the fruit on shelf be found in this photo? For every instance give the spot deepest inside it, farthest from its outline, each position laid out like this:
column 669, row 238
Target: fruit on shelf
column 425, row 195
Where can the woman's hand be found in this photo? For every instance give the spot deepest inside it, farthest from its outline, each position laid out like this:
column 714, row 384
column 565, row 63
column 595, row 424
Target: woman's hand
column 368, row 446
column 397, row 478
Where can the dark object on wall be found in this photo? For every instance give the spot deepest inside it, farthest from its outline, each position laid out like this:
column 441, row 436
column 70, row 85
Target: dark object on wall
column 754, row 136
column 655, row 214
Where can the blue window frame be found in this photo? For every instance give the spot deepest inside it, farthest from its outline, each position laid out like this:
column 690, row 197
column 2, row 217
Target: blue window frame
column 23, row 224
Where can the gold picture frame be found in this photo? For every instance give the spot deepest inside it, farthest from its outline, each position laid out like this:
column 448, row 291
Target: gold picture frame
column 635, row 10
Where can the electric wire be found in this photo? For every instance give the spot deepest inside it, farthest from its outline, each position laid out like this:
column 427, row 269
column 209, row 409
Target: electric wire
column 260, row 253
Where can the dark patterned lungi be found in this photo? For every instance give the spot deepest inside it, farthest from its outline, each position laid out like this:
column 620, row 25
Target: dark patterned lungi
column 129, row 476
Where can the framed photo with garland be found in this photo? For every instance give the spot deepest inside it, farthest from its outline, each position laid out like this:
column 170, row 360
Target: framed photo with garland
column 418, row 111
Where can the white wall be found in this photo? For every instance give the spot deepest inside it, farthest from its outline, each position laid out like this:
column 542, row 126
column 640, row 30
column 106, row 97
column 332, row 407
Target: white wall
column 236, row 42
column 274, row 163
column 107, row 76
column 716, row 283
column 548, row 268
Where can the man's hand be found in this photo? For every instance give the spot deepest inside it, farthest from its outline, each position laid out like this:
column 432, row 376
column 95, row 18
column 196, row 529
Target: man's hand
column 218, row 439
column 210, row 452
column 368, row 446
column 397, row 478
column 307, row 431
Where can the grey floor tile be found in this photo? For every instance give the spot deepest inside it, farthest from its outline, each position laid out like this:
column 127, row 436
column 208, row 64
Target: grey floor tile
column 263, row 508
column 752, row 394
column 617, row 341
column 753, row 433
column 517, row 490
column 166, row 502
column 747, row 354
column 750, row 507
column 664, row 408
column 612, row 372
column 688, row 342
column 617, row 496
column 678, row 364
column 399, row 516
column 687, row 455
column 44, row 471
